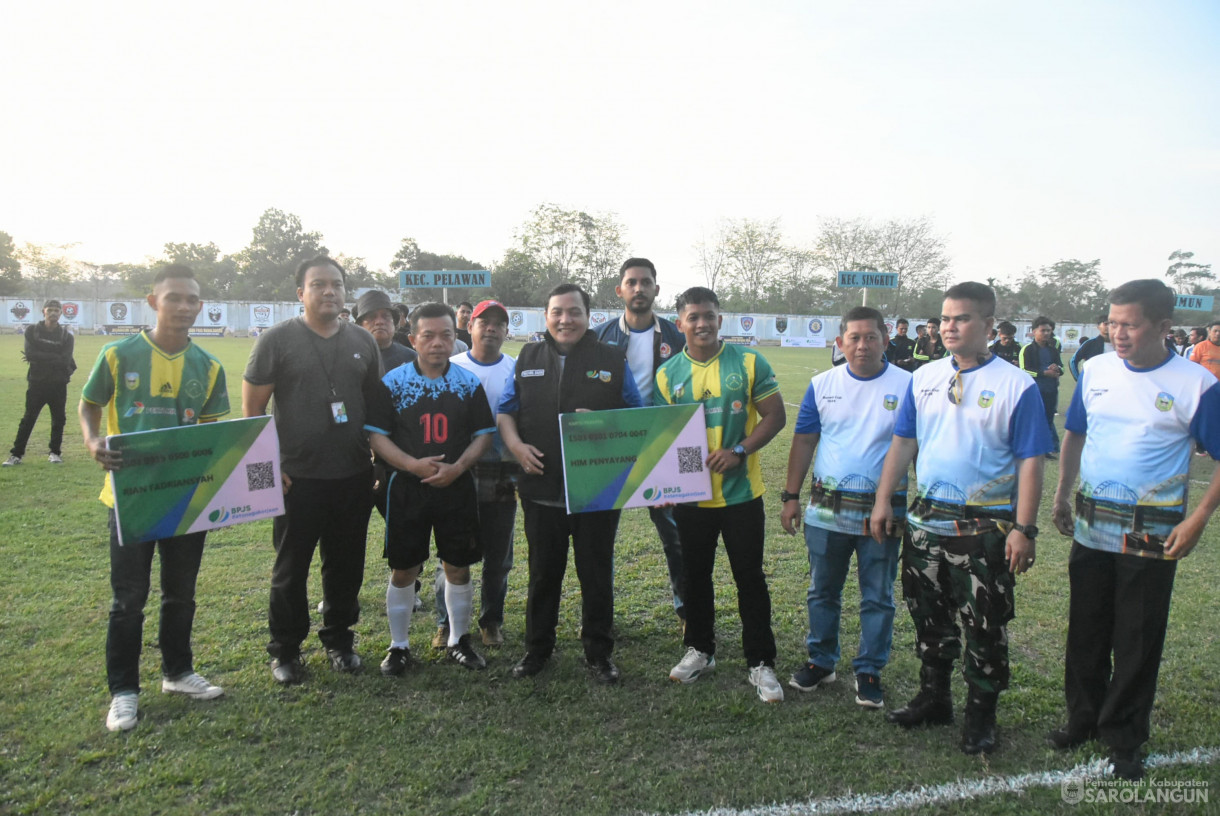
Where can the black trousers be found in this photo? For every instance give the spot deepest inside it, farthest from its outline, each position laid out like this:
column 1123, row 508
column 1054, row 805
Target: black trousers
column 54, row 396
column 1119, row 608
column 743, row 528
column 333, row 516
column 547, row 531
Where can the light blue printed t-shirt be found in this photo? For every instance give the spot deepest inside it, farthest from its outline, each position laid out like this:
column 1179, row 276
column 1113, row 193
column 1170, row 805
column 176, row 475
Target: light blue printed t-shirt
column 855, row 418
column 968, row 451
column 1136, row 459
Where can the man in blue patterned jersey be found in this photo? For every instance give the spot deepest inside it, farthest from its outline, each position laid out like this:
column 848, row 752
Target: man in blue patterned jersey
column 979, row 428
column 155, row 379
column 744, row 411
column 1129, row 433
column 847, row 416
column 431, row 422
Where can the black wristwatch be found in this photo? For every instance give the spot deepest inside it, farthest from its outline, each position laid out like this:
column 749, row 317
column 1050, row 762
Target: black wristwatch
column 1030, row 531
column 785, row 496
column 739, row 451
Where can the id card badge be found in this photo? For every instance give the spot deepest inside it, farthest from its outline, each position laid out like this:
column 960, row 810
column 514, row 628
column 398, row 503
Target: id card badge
column 338, row 412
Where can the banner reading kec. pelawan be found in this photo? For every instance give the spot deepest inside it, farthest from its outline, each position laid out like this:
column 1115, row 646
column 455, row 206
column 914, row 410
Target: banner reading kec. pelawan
column 634, row 457
column 182, row 480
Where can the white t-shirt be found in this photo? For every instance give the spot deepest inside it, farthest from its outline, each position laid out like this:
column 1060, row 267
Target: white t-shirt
column 639, row 360
column 494, row 377
column 855, row 418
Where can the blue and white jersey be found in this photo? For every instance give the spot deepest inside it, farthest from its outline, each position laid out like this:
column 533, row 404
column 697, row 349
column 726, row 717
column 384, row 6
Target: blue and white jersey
column 855, row 418
column 1135, row 465
column 494, row 377
column 968, row 451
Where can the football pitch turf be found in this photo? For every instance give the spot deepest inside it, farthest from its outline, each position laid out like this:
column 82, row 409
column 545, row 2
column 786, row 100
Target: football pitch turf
column 445, row 740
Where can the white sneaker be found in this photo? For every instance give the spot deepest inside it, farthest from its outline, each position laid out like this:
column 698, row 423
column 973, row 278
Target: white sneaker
column 55, row 459
column 11, row 461
column 123, row 708
column 192, row 685
column 692, row 666
column 762, row 677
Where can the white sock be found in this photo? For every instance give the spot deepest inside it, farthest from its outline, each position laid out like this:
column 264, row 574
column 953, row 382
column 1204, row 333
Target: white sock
column 399, row 604
column 459, row 600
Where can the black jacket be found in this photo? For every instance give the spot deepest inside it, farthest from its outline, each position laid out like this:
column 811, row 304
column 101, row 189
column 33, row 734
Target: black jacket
column 593, row 378
column 49, row 353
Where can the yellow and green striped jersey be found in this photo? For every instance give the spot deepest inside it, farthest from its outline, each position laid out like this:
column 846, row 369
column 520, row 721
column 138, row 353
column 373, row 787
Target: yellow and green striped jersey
column 729, row 385
column 144, row 389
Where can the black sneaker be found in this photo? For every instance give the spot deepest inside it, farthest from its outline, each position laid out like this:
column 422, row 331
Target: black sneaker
column 396, row 662
column 1127, row 764
column 1064, row 739
column 462, row 652
column 345, row 660
column 811, row 676
column 530, row 665
column 288, row 671
column 604, row 671
column 868, row 691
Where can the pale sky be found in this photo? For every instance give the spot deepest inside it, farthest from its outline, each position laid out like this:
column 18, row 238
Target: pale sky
column 1030, row 132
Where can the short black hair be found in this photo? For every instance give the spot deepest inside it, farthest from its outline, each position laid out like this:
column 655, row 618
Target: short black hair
column 1006, row 328
column 1155, row 299
column 696, row 294
column 1213, row 323
column 431, row 310
column 173, row 271
column 1043, row 320
column 468, row 305
column 980, row 293
column 404, row 311
column 933, row 321
column 864, row 313
column 321, row 260
column 567, row 289
column 643, row 263
column 902, row 321
column 1104, row 317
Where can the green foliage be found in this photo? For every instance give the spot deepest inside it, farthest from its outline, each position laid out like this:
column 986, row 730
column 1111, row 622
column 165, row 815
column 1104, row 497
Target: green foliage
column 1069, row 291
column 411, row 258
column 217, row 274
column 267, row 267
column 1187, row 277
column 558, row 245
column 47, row 270
column 10, row 266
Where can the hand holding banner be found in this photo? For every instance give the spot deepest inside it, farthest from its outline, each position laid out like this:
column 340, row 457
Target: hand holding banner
column 634, row 457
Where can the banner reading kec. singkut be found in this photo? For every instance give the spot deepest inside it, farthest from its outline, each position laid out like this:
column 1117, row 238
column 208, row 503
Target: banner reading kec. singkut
column 634, row 457
column 182, row 480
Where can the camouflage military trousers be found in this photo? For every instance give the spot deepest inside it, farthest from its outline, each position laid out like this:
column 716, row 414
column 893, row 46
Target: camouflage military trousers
column 944, row 576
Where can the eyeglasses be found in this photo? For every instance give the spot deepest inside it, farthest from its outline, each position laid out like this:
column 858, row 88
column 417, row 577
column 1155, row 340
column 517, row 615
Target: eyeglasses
column 956, row 388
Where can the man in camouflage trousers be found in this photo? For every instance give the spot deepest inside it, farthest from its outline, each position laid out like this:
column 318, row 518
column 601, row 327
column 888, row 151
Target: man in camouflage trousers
column 979, row 428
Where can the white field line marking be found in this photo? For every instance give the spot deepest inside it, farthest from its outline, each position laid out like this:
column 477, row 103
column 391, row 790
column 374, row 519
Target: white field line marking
column 958, row 791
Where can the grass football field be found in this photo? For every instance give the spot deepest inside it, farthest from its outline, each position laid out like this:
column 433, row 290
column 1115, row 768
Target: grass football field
column 448, row 741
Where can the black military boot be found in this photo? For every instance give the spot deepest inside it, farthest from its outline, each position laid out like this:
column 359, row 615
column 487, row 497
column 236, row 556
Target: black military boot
column 933, row 705
column 978, row 732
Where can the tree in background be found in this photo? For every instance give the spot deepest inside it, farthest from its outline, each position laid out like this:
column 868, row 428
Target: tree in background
column 46, row 269
column 217, row 274
column 267, row 267
column 754, row 254
column 1188, row 277
column 576, row 246
column 1069, row 291
column 10, row 266
column 410, row 258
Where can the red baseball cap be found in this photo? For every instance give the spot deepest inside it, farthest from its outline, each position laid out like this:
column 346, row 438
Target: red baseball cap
column 488, row 304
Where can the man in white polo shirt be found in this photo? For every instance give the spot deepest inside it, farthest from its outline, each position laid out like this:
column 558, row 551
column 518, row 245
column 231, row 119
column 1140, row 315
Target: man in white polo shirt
column 980, row 430
column 1129, row 433
column 848, row 417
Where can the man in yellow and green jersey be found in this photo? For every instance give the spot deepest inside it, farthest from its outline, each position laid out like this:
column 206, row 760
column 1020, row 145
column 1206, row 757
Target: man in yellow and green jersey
column 744, row 411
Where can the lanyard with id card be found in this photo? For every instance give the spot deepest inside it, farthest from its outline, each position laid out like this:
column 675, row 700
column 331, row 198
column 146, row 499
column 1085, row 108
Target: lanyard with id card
column 338, row 408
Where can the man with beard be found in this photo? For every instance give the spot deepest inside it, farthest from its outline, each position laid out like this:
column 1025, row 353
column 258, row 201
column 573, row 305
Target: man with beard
column 48, row 350
column 648, row 340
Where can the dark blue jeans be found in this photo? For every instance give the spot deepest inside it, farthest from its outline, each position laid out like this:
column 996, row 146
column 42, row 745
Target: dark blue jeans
column 130, row 576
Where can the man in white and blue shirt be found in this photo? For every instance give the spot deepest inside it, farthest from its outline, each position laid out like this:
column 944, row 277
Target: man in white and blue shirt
column 1133, row 420
column 980, row 430
column 847, row 417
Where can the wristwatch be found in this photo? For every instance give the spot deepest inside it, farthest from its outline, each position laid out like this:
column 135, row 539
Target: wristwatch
column 785, row 496
column 1030, row 531
column 739, row 451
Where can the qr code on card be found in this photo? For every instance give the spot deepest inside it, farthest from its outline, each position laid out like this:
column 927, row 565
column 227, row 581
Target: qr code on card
column 260, row 476
column 690, row 460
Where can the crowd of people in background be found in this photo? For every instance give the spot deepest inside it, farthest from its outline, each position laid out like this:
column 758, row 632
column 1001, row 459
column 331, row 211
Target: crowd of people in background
column 421, row 415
